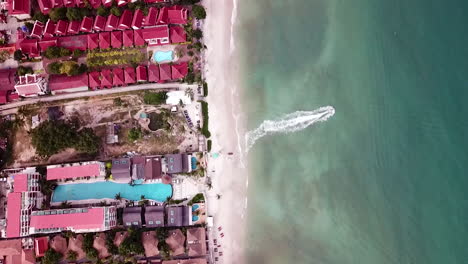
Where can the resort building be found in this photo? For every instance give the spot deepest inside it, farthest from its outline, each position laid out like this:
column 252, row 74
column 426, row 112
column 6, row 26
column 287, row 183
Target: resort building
column 147, row 168
column 14, row 252
column 154, row 216
column 176, row 242
column 76, row 171
column 19, row 8
column 41, row 245
column 132, row 217
column 68, row 84
column 121, row 169
column 196, row 242
column 31, row 85
column 176, row 163
column 155, row 36
column 186, row 261
column 179, row 215
column 150, row 243
column 78, row 220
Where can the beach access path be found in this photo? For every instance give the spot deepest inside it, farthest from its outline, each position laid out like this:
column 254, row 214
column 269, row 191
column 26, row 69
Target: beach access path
column 11, row 108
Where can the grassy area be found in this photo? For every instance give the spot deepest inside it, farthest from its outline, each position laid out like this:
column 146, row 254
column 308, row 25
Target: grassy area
column 154, row 98
column 115, row 57
column 205, row 131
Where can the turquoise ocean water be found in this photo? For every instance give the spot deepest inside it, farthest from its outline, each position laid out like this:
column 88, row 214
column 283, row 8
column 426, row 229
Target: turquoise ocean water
column 385, row 180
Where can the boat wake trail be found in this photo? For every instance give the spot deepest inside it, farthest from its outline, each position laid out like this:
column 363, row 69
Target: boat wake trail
column 289, row 123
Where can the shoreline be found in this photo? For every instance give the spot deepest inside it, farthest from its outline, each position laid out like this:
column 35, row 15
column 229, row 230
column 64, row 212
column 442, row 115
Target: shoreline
column 228, row 172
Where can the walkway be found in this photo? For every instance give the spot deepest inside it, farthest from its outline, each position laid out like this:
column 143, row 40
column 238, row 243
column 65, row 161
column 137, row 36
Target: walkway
column 11, row 107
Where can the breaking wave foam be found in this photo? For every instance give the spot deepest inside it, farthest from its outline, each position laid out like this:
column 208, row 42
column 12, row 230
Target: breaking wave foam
column 289, row 123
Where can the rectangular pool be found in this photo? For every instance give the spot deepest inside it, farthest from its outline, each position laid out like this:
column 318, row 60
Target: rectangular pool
column 101, row 190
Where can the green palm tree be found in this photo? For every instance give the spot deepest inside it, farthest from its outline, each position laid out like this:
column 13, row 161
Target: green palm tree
column 118, row 196
column 143, row 197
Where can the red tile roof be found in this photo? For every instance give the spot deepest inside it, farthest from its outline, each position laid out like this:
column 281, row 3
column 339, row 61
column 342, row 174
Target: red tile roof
column 70, row 172
column 20, row 182
column 116, row 39
column 47, row 42
column 106, row 79
column 100, row 23
column 127, row 38
column 93, row 41
column 112, row 23
column 19, row 7
column 125, row 19
column 177, row 15
column 74, row 42
column 29, row 46
column 74, row 27
column 153, row 73
column 152, row 17
column 7, row 79
column 121, row 2
column 93, row 218
column 138, row 37
column 104, row 40
column 129, row 75
column 156, row 35
column 107, row 3
column 45, row 5
column 69, row 3
column 178, row 34
column 164, row 72
column 156, row 1
column 141, row 73
column 162, row 16
column 12, row 96
column 41, row 244
column 94, row 80
column 80, row 3
column 49, row 30
column 118, row 78
column 3, row 96
column 61, row 27
column 137, row 20
column 56, row 3
column 179, row 71
column 95, row 3
column 37, row 30
column 13, row 215
column 62, row 83
column 86, row 24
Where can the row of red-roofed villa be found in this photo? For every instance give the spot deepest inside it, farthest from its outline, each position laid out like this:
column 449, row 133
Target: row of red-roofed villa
column 108, row 78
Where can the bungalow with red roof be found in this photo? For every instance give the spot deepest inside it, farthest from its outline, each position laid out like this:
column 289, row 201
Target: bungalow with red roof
column 31, row 85
column 179, row 71
column 121, row 3
column 156, row 1
column 138, row 39
column 69, row 3
column 107, row 3
column 78, row 220
column 12, row 252
column 106, row 78
column 155, row 35
column 29, row 47
column 162, row 16
column 19, row 8
column 41, row 245
column 68, row 84
column 151, row 18
column 125, row 21
column 86, row 24
column 104, row 40
column 76, row 171
column 112, row 23
column 164, row 72
column 74, row 42
column 80, row 3
column 137, row 20
column 116, row 39
column 45, row 5
column 153, row 73
column 99, row 23
column 177, row 15
column 74, row 27
column 61, row 28
column 7, row 79
column 49, row 30
column 118, row 77
column 93, row 41
column 142, row 75
column 37, row 30
column 178, row 34
column 95, row 3
column 46, row 43
column 129, row 75
column 127, row 38
column 94, row 80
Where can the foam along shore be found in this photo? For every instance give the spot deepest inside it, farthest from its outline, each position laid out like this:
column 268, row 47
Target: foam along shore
column 229, row 176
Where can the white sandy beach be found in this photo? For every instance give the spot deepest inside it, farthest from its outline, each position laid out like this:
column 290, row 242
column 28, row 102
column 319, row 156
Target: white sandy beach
column 229, row 176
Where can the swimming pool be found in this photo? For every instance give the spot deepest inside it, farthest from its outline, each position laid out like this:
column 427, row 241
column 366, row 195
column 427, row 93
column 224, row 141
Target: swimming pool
column 161, row 56
column 195, row 207
column 101, row 190
column 194, row 218
column 194, row 163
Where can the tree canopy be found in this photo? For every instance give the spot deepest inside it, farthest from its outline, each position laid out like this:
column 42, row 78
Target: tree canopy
column 102, row 11
column 199, row 12
column 57, row 14
column 51, row 137
column 22, row 70
column 51, row 257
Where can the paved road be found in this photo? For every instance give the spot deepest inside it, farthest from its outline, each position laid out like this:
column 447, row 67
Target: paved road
column 11, row 107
